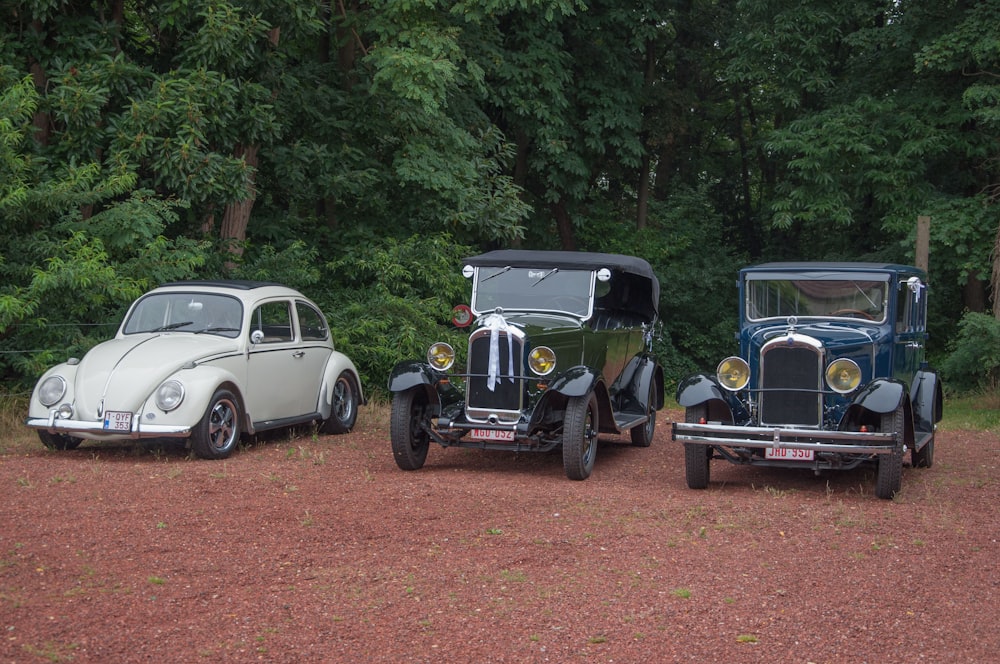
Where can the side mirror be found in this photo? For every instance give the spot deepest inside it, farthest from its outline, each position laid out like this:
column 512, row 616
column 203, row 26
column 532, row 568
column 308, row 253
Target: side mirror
column 256, row 336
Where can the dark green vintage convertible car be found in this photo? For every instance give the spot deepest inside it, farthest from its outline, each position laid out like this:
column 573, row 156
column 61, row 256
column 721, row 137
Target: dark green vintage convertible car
column 559, row 352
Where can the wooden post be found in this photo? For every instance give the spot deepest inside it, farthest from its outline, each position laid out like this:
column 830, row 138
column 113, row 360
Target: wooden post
column 923, row 242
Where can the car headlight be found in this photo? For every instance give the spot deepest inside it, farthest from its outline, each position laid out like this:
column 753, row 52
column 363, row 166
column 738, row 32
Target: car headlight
column 169, row 395
column 441, row 356
column 542, row 360
column 843, row 376
column 51, row 390
column 733, row 373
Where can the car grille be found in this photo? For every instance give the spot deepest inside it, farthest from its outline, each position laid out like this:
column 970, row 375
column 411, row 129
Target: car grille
column 791, row 384
column 505, row 399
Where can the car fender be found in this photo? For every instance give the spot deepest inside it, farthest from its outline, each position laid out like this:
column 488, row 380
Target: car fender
column 698, row 389
column 409, row 374
column 336, row 365
column 575, row 381
column 926, row 395
column 645, row 372
column 200, row 383
column 68, row 372
column 882, row 395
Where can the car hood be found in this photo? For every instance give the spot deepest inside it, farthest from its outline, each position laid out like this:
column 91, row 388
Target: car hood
column 123, row 372
column 858, row 343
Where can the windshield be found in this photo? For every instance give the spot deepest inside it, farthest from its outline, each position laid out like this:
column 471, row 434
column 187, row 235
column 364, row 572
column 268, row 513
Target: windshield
column 838, row 298
column 531, row 289
column 186, row 312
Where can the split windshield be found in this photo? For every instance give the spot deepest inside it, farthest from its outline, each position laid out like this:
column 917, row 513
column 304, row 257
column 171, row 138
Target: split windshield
column 863, row 299
column 533, row 289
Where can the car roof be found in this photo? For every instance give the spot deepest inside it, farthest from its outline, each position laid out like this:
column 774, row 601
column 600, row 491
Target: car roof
column 834, row 267
column 643, row 297
column 238, row 287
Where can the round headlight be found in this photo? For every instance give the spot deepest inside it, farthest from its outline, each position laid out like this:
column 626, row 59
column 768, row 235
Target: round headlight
column 441, row 356
column 51, row 390
column 733, row 373
column 843, row 376
column 542, row 360
column 169, row 395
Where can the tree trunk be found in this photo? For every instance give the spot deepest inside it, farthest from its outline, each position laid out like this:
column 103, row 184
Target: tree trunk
column 564, row 226
column 237, row 214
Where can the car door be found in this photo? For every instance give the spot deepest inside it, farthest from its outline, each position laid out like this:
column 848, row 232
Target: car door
column 910, row 328
column 281, row 382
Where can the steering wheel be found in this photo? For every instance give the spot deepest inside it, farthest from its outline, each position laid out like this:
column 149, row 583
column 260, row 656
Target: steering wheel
column 852, row 312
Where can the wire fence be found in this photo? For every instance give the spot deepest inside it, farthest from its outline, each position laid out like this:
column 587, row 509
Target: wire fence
column 6, row 393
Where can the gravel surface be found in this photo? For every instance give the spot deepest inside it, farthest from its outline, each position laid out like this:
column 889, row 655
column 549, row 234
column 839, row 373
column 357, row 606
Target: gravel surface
column 318, row 549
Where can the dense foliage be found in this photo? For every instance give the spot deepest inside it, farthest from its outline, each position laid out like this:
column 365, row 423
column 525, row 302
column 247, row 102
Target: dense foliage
column 357, row 150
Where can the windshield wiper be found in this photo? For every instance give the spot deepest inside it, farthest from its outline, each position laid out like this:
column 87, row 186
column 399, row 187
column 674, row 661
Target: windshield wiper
column 173, row 326
column 865, row 295
column 495, row 274
column 545, row 276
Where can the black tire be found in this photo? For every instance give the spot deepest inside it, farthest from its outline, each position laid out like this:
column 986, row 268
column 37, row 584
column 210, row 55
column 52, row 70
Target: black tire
column 218, row 432
column 889, row 477
column 59, row 441
column 579, row 441
column 642, row 436
column 344, row 409
column 407, row 428
column 696, row 456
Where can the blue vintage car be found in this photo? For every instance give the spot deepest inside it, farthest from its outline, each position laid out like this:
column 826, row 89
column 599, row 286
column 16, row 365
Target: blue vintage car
column 831, row 375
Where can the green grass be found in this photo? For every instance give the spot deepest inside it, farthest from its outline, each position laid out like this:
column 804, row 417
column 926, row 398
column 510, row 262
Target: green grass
column 979, row 412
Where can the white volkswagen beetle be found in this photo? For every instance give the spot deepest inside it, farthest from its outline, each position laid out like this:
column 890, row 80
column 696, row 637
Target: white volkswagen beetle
column 203, row 360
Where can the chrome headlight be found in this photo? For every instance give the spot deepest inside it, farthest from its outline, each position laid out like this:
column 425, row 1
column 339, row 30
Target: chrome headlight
column 169, row 395
column 733, row 373
column 441, row 356
column 51, row 390
column 843, row 376
column 542, row 360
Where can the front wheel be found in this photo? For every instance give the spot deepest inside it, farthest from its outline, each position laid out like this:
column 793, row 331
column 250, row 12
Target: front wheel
column 218, row 432
column 642, row 436
column 580, row 436
column 59, row 441
column 889, row 477
column 344, row 405
column 408, row 428
column 696, row 456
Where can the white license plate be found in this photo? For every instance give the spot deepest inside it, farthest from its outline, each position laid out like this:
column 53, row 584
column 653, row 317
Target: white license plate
column 493, row 434
column 117, row 420
column 788, row 454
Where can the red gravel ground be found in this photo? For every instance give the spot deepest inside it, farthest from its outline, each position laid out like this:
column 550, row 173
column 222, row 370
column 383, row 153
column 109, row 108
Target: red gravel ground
column 318, row 549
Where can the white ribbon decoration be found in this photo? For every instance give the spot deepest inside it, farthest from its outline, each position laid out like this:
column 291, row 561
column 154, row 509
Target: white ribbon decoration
column 496, row 324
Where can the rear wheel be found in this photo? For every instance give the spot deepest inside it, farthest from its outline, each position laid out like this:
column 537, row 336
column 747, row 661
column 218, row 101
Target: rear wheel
column 407, row 428
column 696, row 456
column 344, row 406
column 580, row 436
column 642, row 436
column 218, row 432
column 59, row 441
column 889, row 478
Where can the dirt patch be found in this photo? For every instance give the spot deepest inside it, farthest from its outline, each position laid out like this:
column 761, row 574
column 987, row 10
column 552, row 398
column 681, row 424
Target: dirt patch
column 308, row 549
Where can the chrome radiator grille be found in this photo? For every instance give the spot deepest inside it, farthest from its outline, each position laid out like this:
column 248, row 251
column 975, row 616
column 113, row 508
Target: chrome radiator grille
column 791, row 385
column 506, row 395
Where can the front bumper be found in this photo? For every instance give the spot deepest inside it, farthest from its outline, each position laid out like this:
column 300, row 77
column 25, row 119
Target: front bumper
column 820, row 441
column 94, row 430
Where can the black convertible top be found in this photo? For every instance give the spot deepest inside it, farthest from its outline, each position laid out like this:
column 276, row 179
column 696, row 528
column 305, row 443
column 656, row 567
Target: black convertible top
column 636, row 289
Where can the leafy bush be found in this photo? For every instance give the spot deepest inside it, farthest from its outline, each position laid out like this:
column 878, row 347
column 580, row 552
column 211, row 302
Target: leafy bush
column 974, row 360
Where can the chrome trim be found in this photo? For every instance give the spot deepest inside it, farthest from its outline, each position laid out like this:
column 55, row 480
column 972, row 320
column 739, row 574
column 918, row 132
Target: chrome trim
column 781, row 438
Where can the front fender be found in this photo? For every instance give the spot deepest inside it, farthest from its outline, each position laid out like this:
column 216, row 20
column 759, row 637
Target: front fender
column 575, row 382
column 200, row 384
column 411, row 373
column 698, row 389
column 882, row 395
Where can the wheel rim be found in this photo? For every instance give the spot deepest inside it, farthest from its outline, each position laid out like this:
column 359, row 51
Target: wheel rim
column 222, row 424
column 343, row 400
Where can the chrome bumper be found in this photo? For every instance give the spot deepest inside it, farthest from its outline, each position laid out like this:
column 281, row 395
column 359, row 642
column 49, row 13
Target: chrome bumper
column 96, row 431
column 843, row 442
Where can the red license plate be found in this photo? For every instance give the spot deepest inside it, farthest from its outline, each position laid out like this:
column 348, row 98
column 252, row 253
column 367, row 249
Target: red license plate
column 117, row 420
column 788, row 454
column 493, row 434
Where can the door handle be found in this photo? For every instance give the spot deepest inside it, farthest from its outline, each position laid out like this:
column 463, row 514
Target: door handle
column 299, row 353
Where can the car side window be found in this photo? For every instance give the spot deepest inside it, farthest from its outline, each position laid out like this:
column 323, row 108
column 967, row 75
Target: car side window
column 911, row 309
column 311, row 323
column 274, row 320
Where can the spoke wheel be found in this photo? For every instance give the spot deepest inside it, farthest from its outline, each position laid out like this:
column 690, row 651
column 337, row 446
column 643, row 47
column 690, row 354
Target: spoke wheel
column 407, row 428
column 579, row 442
column 696, row 456
column 344, row 406
column 642, row 436
column 218, row 432
column 889, row 477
